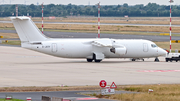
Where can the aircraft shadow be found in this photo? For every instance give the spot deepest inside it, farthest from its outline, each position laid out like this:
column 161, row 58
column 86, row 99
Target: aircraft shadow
column 85, row 62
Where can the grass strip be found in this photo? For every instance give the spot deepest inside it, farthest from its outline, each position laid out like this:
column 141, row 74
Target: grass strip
column 11, row 100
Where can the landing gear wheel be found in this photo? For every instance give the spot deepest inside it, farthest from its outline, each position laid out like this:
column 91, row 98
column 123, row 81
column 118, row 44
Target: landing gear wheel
column 89, row 60
column 97, row 60
column 142, row 59
column 133, row 59
column 156, row 60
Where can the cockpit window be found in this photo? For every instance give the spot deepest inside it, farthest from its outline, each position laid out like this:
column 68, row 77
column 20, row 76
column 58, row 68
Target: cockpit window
column 153, row 45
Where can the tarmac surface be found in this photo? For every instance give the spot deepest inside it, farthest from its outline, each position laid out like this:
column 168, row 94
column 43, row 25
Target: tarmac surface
column 94, row 35
column 72, row 95
column 36, row 96
column 22, row 67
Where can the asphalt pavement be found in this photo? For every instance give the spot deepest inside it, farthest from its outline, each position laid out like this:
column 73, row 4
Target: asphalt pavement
column 53, row 34
column 72, row 95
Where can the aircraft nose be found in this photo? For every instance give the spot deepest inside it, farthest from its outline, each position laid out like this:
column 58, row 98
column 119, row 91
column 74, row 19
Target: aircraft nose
column 162, row 52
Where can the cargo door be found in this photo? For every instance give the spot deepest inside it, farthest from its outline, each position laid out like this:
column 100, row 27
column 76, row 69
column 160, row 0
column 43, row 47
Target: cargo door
column 54, row 47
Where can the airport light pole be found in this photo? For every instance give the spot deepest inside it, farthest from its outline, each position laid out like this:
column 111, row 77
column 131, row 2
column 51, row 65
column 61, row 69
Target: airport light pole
column 42, row 17
column 171, row 1
column 99, row 20
column 16, row 10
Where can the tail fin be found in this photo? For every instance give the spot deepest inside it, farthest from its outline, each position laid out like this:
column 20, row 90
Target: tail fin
column 27, row 30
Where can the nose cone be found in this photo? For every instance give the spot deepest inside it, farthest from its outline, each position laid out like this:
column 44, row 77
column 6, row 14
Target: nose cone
column 161, row 52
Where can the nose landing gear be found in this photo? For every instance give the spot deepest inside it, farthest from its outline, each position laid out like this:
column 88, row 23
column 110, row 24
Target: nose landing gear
column 156, row 60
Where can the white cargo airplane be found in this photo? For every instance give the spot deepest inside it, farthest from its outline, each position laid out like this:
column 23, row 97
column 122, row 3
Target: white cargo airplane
column 92, row 49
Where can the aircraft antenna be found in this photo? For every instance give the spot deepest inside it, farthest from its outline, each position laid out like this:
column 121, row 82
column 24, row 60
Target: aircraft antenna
column 42, row 17
column 171, row 1
column 99, row 20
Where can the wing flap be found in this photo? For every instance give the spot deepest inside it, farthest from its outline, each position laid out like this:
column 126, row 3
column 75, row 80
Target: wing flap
column 102, row 43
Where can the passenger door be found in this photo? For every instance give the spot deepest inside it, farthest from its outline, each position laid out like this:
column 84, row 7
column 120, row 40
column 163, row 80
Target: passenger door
column 145, row 47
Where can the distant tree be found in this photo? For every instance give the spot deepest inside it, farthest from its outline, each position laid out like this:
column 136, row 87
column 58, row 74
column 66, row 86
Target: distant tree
column 125, row 5
column 32, row 6
column 149, row 10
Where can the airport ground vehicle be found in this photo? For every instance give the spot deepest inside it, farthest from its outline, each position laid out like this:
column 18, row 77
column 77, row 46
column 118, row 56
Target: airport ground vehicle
column 173, row 57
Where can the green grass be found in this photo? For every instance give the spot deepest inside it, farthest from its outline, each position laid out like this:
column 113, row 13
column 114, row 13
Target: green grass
column 7, row 28
column 109, row 32
column 11, row 100
column 12, row 42
column 104, row 32
column 162, row 92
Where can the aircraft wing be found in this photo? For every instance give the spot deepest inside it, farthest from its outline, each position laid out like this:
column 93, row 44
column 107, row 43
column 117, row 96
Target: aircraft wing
column 102, row 43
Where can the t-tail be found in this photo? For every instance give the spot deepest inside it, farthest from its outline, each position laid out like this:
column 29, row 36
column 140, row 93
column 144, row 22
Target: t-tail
column 27, row 31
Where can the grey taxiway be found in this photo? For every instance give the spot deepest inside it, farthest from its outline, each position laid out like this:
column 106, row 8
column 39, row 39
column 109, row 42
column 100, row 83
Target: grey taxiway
column 53, row 34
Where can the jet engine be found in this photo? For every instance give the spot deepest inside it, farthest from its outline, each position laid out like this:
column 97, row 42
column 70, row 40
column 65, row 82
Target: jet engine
column 119, row 50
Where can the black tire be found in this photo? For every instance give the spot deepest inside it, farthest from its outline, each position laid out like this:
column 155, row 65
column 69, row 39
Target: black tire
column 166, row 60
column 97, row 60
column 156, row 60
column 142, row 59
column 89, row 60
column 133, row 59
column 176, row 60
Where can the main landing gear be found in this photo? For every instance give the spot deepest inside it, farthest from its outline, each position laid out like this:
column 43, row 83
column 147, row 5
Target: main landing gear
column 137, row 59
column 89, row 60
column 94, row 58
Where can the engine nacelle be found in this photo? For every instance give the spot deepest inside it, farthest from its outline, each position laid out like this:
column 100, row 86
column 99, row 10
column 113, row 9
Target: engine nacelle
column 119, row 50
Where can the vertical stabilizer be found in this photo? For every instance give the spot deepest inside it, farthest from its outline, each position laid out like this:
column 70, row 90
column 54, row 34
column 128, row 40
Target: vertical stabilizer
column 27, row 30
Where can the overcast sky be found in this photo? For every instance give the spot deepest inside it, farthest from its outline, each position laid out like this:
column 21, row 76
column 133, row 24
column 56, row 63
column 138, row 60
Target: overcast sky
column 91, row 2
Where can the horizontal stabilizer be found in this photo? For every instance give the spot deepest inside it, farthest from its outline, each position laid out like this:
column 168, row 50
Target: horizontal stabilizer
column 20, row 18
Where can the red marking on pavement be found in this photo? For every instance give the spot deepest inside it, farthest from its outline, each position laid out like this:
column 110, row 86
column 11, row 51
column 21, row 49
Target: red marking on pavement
column 86, row 98
column 159, row 71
